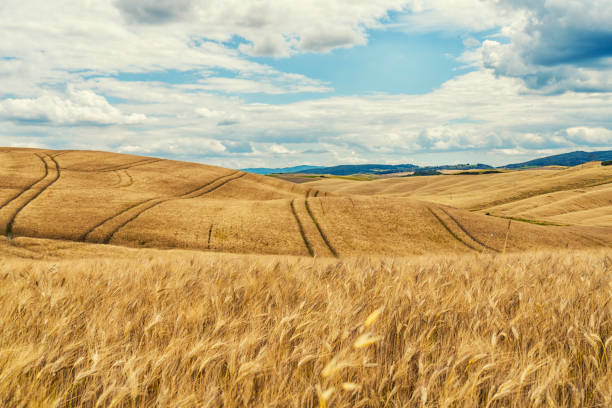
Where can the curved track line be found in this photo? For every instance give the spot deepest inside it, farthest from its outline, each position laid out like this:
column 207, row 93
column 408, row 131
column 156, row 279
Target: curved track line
column 85, row 236
column 446, row 227
column 196, row 190
column 462, row 228
column 9, row 225
column 117, row 167
column 108, row 238
column 219, row 186
column 183, row 197
column 98, row 225
column 29, row 186
column 323, row 236
column 189, row 195
column 301, row 228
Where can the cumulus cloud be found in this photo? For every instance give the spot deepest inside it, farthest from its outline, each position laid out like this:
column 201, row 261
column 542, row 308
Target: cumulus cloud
column 558, row 46
column 78, row 107
column 597, row 136
column 552, row 46
column 154, row 11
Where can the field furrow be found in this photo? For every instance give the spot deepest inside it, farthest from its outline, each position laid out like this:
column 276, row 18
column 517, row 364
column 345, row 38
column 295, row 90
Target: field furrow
column 330, row 247
column 208, row 188
column 301, row 227
column 214, row 185
column 470, row 237
column 454, row 230
column 317, row 242
column 11, row 209
column 116, row 167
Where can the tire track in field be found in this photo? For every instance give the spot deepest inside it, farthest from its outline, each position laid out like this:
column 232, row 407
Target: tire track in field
column 301, row 228
column 26, row 188
column 318, row 226
column 213, row 188
column 85, row 236
column 140, row 207
column 466, row 232
column 116, row 167
column 448, row 229
column 31, row 194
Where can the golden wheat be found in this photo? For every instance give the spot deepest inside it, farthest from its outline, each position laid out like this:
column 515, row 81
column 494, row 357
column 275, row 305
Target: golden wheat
column 187, row 329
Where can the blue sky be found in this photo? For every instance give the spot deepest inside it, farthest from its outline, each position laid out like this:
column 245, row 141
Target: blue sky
column 265, row 83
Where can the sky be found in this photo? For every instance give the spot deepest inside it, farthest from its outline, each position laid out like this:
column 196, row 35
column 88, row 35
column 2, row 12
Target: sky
column 269, row 83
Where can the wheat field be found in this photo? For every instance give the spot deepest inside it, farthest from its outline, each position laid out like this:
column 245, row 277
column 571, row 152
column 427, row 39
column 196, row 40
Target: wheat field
column 129, row 281
column 579, row 195
column 151, row 328
column 100, row 197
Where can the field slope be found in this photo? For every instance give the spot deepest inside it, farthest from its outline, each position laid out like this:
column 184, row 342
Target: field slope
column 580, row 195
column 107, row 198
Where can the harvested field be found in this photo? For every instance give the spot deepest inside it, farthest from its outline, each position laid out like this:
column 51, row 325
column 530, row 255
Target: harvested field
column 146, row 202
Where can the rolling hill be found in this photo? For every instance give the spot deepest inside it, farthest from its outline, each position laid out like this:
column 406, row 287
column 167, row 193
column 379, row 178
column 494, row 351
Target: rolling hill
column 140, row 282
column 580, row 195
column 107, row 198
column 566, row 159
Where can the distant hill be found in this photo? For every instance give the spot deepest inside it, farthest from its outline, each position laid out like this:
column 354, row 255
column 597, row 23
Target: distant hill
column 566, row 159
column 348, row 169
column 282, row 170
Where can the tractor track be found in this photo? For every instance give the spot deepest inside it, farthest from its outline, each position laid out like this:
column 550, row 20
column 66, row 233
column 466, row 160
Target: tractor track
column 219, row 186
column 447, row 228
column 98, row 225
column 9, row 225
column 115, row 168
column 462, row 228
column 154, row 202
column 323, row 236
column 301, row 228
column 10, row 200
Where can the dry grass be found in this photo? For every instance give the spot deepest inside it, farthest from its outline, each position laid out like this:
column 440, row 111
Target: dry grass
column 578, row 195
column 182, row 329
column 145, row 202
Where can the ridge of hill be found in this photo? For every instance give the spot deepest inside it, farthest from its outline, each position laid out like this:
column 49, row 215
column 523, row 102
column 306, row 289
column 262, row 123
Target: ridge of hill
column 281, row 170
column 580, row 195
column 108, row 198
column 566, row 159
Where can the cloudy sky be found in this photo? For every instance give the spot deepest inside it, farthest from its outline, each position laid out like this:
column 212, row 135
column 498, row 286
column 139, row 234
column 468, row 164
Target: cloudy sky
column 243, row 83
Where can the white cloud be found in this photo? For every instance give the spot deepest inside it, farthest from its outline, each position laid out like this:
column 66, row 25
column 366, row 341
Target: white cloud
column 530, row 45
column 80, row 107
column 591, row 136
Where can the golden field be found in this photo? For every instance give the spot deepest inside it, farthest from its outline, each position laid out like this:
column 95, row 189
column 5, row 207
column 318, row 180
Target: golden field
column 127, row 200
column 580, row 195
column 128, row 281
column 143, row 328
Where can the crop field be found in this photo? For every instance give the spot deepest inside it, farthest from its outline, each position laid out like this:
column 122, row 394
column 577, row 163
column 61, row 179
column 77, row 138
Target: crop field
column 129, row 281
column 127, row 200
column 580, row 195
column 142, row 327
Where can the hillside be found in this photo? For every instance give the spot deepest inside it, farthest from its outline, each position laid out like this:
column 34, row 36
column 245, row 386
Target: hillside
column 566, row 159
column 99, row 197
column 579, row 195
